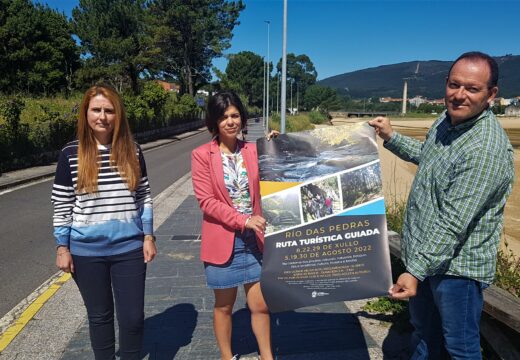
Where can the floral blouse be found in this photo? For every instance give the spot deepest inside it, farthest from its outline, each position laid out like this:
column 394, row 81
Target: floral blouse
column 235, row 179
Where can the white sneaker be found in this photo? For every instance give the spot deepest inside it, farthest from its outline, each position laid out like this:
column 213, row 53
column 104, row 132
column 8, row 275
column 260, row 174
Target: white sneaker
column 235, row 357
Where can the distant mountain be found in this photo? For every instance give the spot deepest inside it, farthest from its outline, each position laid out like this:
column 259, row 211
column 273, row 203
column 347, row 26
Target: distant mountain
column 387, row 80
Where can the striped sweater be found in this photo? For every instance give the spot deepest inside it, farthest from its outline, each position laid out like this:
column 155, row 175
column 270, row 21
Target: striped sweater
column 111, row 221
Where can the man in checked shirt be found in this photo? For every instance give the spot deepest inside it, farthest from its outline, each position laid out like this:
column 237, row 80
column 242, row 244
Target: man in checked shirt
column 454, row 214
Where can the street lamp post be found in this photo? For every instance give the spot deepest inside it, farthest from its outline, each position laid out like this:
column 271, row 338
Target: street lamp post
column 268, row 76
column 278, row 94
column 284, row 68
column 291, row 108
column 297, row 97
column 263, row 96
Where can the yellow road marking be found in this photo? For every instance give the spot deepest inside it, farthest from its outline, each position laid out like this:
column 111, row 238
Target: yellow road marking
column 28, row 314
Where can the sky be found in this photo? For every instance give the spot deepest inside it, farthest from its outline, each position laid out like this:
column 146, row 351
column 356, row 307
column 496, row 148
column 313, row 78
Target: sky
column 346, row 35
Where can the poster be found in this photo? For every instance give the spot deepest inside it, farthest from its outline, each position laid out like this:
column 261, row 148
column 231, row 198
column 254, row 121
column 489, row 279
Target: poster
column 326, row 237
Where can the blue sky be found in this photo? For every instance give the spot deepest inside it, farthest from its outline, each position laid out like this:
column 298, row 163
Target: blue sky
column 347, row 35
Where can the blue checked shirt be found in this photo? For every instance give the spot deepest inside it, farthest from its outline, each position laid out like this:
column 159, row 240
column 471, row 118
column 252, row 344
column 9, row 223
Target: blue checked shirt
column 455, row 209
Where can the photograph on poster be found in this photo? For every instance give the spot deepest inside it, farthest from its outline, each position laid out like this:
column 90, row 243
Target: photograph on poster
column 361, row 185
column 309, row 155
column 282, row 211
column 320, row 198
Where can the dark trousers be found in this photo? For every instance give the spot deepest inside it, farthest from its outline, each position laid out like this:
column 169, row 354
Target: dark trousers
column 103, row 279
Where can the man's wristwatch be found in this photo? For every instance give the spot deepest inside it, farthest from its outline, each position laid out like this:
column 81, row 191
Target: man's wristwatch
column 149, row 238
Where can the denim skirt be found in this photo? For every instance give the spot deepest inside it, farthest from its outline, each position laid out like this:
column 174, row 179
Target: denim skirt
column 244, row 266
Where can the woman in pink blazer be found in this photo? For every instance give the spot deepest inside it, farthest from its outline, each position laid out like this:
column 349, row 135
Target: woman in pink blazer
column 226, row 184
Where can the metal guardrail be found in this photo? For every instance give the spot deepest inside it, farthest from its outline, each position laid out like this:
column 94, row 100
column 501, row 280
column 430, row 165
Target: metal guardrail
column 502, row 309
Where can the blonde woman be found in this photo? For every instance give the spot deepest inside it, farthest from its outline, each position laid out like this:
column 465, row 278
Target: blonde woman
column 103, row 222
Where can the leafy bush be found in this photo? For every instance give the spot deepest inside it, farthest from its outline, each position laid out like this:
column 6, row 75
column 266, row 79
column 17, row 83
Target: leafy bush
column 386, row 305
column 392, row 311
column 507, row 275
column 156, row 108
column 51, row 130
column 318, row 117
column 30, row 128
column 14, row 133
column 155, row 98
column 138, row 112
column 10, row 110
column 395, row 211
column 186, row 107
column 255, row 111
column 292, row 123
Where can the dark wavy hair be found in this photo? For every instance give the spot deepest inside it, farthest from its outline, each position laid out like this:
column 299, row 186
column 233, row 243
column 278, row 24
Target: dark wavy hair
column 480, row 56
column 217, row 106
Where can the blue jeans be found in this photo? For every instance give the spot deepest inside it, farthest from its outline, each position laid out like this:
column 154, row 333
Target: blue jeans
column 101, row 279
column 446, row 316
column 244, row 266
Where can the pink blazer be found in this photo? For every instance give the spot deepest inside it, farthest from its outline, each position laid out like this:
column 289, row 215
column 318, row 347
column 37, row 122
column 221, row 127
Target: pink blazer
column 220, row 219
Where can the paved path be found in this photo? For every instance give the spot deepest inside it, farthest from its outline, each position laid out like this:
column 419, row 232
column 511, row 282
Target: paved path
column 178, row 310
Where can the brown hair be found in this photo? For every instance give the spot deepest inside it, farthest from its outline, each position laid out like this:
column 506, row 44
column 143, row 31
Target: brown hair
column 123, row 154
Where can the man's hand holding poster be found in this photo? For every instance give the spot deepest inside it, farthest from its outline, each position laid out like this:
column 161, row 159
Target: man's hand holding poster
column 326, row 238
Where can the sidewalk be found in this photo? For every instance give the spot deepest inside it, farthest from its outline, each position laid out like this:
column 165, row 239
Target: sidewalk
column 178, row 310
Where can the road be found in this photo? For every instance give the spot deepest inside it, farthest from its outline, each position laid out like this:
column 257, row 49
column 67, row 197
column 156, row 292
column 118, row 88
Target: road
column 27, row 253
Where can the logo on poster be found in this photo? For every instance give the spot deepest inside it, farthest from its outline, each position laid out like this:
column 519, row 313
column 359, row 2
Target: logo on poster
column 318, row 293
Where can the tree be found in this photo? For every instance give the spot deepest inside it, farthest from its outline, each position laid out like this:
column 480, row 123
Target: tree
column 246, row 69
column 38, row 53
column 190, row 34
column 300, row 69
column 114, row 39
column 321, row 98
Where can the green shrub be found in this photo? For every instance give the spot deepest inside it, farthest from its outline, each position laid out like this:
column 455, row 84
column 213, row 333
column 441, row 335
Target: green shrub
column 186, row 107
column 155, row 98
column 10, row 111
column 395, row 211
column 255, row 111
column 386, row 305
column 507, row 275
column 318, row 117
column 36, row 107
column 392, row 311
column 138, row 112
column 30, row 127
column 14, row 133
column 292, row 123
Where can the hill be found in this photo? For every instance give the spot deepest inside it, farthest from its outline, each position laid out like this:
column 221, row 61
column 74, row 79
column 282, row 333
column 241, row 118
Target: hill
column 387, row 80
